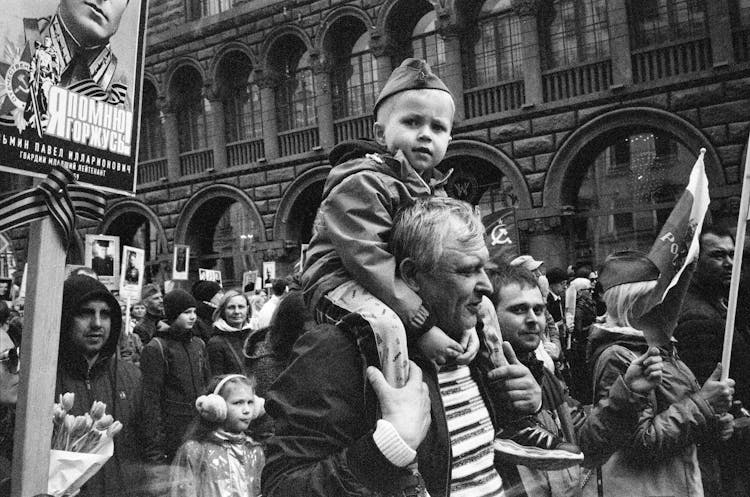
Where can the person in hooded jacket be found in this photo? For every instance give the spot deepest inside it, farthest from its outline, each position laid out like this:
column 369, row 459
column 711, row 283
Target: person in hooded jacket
column 645, row 442
column 88, row 367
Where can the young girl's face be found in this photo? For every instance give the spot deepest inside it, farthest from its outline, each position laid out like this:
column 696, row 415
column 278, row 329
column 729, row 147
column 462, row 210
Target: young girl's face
column 240, row 399
column 186, row 319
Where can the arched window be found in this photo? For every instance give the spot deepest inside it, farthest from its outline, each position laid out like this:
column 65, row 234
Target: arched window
column 354, row 77
column 427, row 44
column 497, row 51
column 739, row 14
column 190, row 108
column 241, row 99
column 295, row 95
column 628, row 191
column 573, row 32
column 654, row 22
column 152, row 144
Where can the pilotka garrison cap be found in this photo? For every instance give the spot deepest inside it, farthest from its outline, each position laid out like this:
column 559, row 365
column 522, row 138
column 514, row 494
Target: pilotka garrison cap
column 412, row 74
column 627, row 266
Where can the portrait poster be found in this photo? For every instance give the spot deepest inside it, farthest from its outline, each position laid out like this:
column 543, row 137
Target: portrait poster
column 180, row 262
column 210, row 275
column 249, row 278
column 269, row 273
column 102, row 254
column 64, row 105
column 6, row 288
column 131, row 272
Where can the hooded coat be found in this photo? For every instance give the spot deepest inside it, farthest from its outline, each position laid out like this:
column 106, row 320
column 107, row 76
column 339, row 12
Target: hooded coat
column 114, row 382
column 646, row 445
column 350, row 238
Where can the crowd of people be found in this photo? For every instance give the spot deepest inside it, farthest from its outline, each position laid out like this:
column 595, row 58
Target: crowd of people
column 400, row 360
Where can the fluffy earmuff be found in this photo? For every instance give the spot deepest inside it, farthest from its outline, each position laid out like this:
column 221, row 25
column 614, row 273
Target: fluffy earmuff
column 213, row 407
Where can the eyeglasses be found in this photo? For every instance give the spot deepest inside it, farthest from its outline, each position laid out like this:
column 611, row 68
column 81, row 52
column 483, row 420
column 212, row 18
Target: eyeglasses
column 11, row 357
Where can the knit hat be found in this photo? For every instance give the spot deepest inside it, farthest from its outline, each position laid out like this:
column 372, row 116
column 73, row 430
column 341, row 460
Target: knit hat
column 412, row 74
column 526, row 261
column 149, row 290
column 626, row 266
column 176, row 302
column 204, row 290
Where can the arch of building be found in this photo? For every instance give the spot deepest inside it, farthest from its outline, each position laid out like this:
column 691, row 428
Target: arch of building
column 286, row 208
column 211, row 193
column 390, row 9
column 278, row 34
column 329, row 23
column 127, row 206
column 233, row 46
column 176, row 67
column 566, row 170
column 505, row 165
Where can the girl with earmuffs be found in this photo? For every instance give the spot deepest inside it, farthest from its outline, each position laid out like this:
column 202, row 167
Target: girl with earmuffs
column 218, row 459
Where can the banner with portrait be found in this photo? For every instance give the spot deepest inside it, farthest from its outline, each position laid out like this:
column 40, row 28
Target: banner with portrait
column 209, row 275
column 70, row 85
column 102, row 254
column 269, row 273
column 180, row 262
column 131, row 272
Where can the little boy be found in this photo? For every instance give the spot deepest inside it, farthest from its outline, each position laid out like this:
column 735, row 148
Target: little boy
column 349, row 270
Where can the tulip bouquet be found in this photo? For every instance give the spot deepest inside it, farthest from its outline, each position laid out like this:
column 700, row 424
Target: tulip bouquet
column 80, row 445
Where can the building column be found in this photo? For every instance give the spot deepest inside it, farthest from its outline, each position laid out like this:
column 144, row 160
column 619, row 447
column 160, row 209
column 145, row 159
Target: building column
column 219, row 137
column 449, row 29
column 527, row 11
column 171, row 140
column 267, row 81
column 321, row 66
column 719, row 29
column 619, row 44
column 382, row 49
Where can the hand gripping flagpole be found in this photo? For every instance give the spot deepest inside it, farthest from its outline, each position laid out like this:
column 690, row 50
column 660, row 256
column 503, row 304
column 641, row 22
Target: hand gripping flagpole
column 51, row 207
column 734, row 287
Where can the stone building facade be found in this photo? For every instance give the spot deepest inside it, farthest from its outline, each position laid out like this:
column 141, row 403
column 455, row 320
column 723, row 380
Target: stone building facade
column 580, row 119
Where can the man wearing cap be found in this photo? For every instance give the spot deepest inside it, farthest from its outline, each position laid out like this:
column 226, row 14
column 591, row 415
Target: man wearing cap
column 207, row 294
column 152, row 298
column 700, row 339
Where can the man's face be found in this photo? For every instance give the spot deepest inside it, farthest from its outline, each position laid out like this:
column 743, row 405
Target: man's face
column 419, row 125
column 557, row 288
column 91, row 327
column 454, row 289
column 3, row 287
column 155, row 304
column 92, row 22
column 715, row 260
column 520, row 313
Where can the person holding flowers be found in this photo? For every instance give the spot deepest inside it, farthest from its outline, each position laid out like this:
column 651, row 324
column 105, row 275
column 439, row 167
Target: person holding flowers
column 218, row 458
column 88, row 368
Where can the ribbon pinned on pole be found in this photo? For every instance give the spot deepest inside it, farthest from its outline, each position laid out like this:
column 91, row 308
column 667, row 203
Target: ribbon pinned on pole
column 56, row 197
column 734, row 287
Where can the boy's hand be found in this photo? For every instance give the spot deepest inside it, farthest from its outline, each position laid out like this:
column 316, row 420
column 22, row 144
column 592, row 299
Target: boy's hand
column 644, row 374
column 419, row 318
column 439, row 347
column 470, row 344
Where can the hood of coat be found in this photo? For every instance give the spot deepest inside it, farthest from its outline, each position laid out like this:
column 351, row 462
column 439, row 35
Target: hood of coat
column 603, row 335
column 77, row 290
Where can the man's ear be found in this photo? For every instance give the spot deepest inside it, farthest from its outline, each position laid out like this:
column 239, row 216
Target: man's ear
column 408, row 270
column 378, row 131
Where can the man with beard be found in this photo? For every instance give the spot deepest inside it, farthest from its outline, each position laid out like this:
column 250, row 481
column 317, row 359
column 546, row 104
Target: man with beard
column 700, row 339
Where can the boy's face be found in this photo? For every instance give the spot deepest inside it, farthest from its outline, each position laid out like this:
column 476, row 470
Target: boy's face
column 419, row 124
column 186, row 319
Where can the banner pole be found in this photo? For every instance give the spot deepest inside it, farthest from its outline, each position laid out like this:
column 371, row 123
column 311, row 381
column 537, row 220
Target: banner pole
column 39, row 348
column 734, row 288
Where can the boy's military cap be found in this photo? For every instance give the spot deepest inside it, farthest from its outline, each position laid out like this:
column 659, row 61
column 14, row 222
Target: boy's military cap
column 412, row 74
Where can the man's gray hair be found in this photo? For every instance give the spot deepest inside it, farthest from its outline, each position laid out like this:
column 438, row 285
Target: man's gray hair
column 420, row 230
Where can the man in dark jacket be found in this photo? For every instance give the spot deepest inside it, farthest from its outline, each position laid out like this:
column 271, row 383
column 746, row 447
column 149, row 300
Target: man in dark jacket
column 153, row 299
column 700, row 339
column 88, row 367
column 342, row 430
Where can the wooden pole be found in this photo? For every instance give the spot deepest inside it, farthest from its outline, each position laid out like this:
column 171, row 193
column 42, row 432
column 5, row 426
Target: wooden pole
column 41, row 331
column 734, row 288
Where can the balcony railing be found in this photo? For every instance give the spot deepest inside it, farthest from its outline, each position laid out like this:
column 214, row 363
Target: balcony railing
column 741, row 43
column 652, row 63
column 196, row 161
column 486, row 100
column 560, row 84
column 152, row 170
column 244, row 152
column 350, row 128
column 298, row 141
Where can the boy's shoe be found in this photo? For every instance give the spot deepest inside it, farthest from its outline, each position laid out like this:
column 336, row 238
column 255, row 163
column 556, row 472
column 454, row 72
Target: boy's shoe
column 527, row 443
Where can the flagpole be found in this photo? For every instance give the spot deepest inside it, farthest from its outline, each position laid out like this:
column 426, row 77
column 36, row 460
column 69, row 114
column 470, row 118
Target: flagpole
column 734, row 288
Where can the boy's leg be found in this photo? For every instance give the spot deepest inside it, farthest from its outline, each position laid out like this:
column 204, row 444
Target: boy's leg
column 387, row 329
